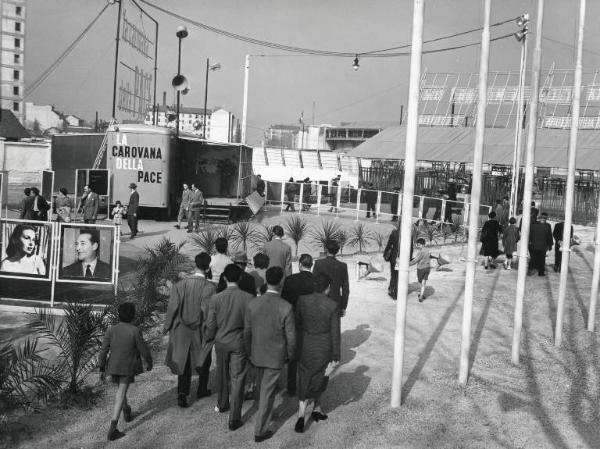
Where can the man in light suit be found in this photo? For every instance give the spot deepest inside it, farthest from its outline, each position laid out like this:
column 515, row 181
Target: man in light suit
column 89, row 205
column 184, row 208
column 279, row 253
column 132, row 210
column 270, row 339
column 196, row 203
column 337, row 272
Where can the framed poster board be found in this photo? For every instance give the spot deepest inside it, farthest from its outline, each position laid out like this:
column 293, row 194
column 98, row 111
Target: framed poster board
column 26, row 249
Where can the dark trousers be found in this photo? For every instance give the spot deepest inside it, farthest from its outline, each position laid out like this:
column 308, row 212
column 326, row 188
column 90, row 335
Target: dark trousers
column 194, row 220
column 232, row 367
column 393, row 287
column 184, row 381
column 538, row 260
column 132, row 222
column 370, row 207
column 89, row 220
column 557, row 256
column 266, row 379
column 290, row 197
column 292, row 376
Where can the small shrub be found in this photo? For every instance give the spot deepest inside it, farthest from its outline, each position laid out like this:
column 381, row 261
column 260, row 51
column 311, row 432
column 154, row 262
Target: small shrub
column 296, row 228
column 243, row 234
column 360, row 236
column 205, row 239
column 328, row 230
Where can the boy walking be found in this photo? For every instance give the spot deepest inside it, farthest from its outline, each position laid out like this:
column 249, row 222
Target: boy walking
column 422, row 261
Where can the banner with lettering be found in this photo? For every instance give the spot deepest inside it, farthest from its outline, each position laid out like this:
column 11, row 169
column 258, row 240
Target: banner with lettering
column 135, row 87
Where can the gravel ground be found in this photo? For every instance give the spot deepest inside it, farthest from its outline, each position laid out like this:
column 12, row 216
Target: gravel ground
column 550, row 400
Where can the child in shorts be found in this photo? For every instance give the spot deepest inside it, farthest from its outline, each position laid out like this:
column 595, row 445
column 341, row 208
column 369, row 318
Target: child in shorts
column 422, row 261
column 127, row 347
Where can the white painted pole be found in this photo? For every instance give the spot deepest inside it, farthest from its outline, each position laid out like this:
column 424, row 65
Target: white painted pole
column 358, row 195
column 378, row 207
column 410, row 157
column 465, row 345
column 595, row 277
column 570, row 194
column 245, row 106
column 301, row 197
column 527, row 195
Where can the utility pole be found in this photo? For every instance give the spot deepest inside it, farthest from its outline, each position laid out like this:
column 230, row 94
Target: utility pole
column 245, row 106
column 114, row 104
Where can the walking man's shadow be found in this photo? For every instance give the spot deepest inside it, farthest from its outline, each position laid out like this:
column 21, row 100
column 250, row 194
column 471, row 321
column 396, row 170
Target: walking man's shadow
column 352, row 339
column 346, row 387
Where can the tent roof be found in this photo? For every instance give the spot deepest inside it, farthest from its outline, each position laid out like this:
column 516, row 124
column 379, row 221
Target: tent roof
column 456, row 145
column 11, row 128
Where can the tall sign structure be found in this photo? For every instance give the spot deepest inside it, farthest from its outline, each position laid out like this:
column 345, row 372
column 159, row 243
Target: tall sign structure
column 134, row 89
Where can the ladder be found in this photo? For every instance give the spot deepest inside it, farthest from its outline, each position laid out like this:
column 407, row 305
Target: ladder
column 102, row 149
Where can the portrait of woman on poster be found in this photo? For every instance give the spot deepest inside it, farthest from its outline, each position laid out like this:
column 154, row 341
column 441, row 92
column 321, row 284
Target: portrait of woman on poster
column 21, row 254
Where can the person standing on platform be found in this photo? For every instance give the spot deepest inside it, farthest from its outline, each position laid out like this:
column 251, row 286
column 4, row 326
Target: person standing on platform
column 371, row 200
column 184, row 207
column 318, row 326
column 540, row 241
column 186, row 315
column 26, row 212
column 270, row 339
column 225, row 324
column 133, row 210
column 301, row 283
column 290, row 192
column 196, row 203
column 333, row 192
column 558, row 244
column 89, row 205
column 220, row 260
column 338, row 273
column 279, row 252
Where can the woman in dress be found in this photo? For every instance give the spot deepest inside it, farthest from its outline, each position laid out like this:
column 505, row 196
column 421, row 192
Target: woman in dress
column 489, row 239
column 64, row 205
column 20, row 252
column 318, row 330
column 510, row 237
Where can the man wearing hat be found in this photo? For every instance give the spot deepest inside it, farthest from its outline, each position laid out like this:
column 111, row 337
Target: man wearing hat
column 132, row 210
column 540, row 241
column 246, row 282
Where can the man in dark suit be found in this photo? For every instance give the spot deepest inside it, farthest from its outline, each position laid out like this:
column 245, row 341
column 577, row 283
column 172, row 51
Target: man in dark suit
column 297, row 284
column 132, row 210
column 26, row 212
column 371, row 199
column 246, row 282
column 89, row 205
column 196, row 203
column 225, row 324
column 338, row 273
column 540, row 241
column 558, row 244
column 279, row 253
column 270, row 338
column 88, row 265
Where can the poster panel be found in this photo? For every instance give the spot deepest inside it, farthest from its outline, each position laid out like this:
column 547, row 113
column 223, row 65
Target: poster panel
column 26, row 249
column 137, row 59
column 87, row 253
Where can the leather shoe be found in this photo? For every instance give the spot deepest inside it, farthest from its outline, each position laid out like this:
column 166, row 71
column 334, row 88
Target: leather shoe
column 182, row 401
column 299, row 427
column 234, row 425
column 265, row 436
column 318, row 416
column 203, row 394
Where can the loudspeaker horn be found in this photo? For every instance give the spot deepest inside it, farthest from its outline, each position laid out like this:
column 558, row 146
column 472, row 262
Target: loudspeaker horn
column 179, row 82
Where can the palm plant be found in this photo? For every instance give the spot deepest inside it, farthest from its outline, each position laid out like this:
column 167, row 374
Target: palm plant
column 227, row 232
column 328, row 230
column 244, row 234
column 77, row 336
column 297, row 228
column 342, row 239
column 360, row 236
column 264, row 235
column 205, row 239
column 25, row 376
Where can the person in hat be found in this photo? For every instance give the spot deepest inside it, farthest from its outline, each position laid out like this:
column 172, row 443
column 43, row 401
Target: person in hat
column 246, row 282
column 540, row 241
column 132, row 210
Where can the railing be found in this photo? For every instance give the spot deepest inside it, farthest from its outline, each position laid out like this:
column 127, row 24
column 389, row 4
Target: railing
column 360, row 204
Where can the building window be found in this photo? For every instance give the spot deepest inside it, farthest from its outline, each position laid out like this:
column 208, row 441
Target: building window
column 18, row 10
column 17, row 42
column 17, row 26
column 16, row 75
column 15, row 90
column 17, row 59
column 15, row 106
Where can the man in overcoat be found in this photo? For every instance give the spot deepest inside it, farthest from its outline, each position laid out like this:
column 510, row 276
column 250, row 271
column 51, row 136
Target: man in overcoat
column 187, row 313
column 337, row 272
column 540, row 241
column 89, row 205
column 270, row 339
column 225, row 324
column 132, row 210
column 279, row 252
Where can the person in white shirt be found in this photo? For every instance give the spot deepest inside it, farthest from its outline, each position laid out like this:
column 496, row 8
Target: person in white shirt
column 220, row 260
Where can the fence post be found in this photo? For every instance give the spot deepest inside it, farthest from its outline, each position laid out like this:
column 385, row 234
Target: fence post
column 443, row 211
column 421, row 205
column 378, row 206
column 300, row 199
column 319, row 194
column 358, row 194
column 282, row 197
column 338, row 200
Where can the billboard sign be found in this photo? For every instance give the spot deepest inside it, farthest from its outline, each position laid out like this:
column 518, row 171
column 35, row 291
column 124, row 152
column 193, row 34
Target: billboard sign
column 135, row 81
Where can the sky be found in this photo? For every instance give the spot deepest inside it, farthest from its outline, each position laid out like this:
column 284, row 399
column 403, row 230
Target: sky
column 283, row 85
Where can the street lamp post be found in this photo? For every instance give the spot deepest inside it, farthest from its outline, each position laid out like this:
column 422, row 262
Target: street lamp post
column 179, row 81
column 209, row 68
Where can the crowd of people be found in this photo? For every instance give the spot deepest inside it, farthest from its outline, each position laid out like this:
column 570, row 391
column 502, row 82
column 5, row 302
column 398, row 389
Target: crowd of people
column 256, row 322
